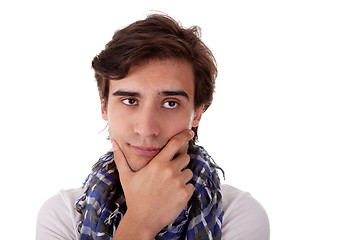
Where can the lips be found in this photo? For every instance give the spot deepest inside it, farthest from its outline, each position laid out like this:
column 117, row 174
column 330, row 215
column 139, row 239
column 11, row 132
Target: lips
column 146, row 151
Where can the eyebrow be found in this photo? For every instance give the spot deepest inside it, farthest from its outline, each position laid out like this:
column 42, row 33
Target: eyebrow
column 126, row 93
column 175, row 93
column 163, row 93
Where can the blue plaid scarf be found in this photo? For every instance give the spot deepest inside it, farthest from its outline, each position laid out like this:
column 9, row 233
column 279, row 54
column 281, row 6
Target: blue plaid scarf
column 103, row 205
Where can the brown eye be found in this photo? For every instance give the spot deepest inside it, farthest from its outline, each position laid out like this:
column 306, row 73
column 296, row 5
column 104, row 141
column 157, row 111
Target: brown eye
column 130, row 101
column 170, row 104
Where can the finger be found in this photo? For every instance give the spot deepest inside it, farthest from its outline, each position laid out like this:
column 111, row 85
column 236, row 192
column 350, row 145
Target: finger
column 183, row 149
column 176, row 144
column 186, row 175
column 120, row 161
column 190, row 189
column 181, row 161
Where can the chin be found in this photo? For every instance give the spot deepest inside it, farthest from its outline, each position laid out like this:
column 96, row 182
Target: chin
column 139, row 163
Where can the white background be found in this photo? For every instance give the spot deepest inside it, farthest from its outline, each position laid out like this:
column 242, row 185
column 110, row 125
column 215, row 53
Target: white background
column 284, row 124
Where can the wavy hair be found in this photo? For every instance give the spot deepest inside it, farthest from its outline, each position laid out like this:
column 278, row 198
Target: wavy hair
column 158, row 37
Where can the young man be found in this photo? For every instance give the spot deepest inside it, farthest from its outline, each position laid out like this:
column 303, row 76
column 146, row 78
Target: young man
column 155, row 79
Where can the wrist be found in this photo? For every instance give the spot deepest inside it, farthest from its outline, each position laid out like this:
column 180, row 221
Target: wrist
column 132, row 228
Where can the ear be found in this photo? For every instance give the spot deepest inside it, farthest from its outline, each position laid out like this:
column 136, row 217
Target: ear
column 104, row 112
column 197, row 116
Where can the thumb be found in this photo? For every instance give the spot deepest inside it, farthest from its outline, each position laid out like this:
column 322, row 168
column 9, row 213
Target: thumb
column 121, row 162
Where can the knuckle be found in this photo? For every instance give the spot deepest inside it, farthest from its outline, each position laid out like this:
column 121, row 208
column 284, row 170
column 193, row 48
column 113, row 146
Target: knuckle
column 187, row 159
column 189, row 173
column 168, row 172
column 189, row 176
column 186, row 194
column 191, row 189
column 182, row 194
column 179, row 182
column 184, row 158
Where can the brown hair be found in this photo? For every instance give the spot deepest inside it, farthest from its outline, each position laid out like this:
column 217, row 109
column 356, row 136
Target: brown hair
column 157, row 37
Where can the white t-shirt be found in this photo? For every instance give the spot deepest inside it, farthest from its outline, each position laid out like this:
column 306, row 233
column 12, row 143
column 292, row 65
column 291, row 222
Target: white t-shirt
column 244, row 217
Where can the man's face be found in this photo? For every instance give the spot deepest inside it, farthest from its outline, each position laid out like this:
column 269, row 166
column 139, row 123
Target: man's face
column 154, row 102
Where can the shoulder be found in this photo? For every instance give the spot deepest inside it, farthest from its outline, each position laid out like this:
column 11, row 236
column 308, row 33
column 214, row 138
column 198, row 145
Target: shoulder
column 57, row 218
column 244, row 217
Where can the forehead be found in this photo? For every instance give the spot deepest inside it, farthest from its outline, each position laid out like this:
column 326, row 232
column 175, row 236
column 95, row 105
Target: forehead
column 156, row 76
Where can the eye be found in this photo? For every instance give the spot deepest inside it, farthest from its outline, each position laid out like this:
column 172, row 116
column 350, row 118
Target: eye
column 170, row 104
column 130, row 102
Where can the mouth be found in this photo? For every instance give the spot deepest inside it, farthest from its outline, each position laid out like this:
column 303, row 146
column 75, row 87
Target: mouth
column 146, row 151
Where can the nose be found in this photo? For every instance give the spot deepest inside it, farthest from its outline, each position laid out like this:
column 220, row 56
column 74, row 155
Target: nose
column 147, row 122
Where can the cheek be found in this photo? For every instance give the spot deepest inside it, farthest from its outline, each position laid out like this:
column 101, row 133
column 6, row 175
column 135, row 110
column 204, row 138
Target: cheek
column 185, row 120
column 117, row 126
column 178, row 124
